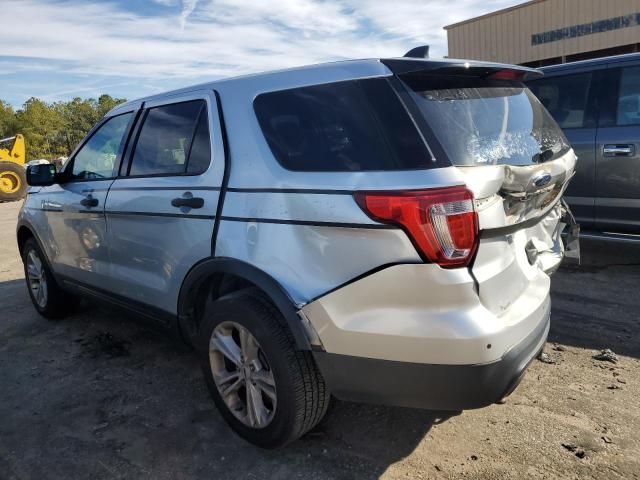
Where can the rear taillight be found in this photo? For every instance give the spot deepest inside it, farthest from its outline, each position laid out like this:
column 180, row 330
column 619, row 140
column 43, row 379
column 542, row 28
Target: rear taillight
column 441, row 222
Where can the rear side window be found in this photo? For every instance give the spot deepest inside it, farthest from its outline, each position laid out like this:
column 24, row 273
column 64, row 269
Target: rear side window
column 355, row 125
column 173, row 140
column 628, row 111
column 566, row 99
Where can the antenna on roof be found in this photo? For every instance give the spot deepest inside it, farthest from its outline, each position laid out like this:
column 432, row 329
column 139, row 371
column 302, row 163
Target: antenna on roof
column 418, row 52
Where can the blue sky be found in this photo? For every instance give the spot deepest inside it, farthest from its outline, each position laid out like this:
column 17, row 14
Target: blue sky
column 60, row 49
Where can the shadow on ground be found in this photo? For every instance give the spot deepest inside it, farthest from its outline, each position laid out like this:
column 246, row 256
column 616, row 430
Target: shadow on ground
column 98, row 395
column 595, row 305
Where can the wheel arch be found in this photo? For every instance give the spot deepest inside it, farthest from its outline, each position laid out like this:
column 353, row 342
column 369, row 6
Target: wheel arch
column 223, row 275
column 23, row 233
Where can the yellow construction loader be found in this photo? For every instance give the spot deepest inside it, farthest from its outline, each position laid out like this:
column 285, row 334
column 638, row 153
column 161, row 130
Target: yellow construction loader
column 13, row 182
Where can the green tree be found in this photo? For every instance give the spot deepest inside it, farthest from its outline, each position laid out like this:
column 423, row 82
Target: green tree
column 106, row 103
column 7, row 120
column 53, row 130
column 81, row 115
column 43, row 128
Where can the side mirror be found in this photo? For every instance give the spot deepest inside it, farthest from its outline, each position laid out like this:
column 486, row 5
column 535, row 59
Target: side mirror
column 41, row 175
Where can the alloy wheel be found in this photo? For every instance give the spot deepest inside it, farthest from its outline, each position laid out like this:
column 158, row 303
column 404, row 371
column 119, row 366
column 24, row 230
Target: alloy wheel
column 242, row 374
column 37, row 278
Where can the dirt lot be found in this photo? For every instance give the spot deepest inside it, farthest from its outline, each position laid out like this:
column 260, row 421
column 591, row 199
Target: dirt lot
column 100, row 395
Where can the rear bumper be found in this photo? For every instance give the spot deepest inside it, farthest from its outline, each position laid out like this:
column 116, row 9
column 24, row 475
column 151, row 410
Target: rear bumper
column 422, row 314
column 431, row 386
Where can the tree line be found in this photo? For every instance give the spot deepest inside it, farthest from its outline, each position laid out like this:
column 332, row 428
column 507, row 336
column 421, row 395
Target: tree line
column 53, row 130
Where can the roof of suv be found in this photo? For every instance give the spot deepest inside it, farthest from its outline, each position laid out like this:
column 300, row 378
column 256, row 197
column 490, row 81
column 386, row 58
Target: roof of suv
column 593, row 62
column 364, row 68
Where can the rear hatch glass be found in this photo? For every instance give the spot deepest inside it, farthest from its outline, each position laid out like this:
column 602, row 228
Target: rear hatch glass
column 485, row 122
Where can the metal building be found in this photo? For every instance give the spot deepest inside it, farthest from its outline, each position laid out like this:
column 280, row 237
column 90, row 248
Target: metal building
column 547, row 32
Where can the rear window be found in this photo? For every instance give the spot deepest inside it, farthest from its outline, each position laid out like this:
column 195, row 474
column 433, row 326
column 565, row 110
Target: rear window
column 173, row 140
column 483, row 122
column 355, row 125
column 566, row 99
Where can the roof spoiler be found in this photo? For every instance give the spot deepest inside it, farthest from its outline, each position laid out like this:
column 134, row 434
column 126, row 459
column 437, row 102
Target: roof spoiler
column 473, row 68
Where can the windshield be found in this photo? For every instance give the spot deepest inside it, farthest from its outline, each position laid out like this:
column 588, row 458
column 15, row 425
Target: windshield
column 481, row 122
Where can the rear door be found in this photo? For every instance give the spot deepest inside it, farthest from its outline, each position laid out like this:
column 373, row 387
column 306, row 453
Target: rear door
column 572, row 101
column 161, row 210
column 75, row 207
column 617, row 203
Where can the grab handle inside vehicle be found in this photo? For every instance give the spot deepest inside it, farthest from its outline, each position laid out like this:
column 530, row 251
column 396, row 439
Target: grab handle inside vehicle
column 619, row 150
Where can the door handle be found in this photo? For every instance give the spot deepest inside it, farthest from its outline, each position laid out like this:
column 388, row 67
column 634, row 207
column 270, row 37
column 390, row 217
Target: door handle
column 619, row 150
column 89, row 202
column 187, row 201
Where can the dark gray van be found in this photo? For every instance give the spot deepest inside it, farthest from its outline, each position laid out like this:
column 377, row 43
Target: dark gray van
column 597, row 104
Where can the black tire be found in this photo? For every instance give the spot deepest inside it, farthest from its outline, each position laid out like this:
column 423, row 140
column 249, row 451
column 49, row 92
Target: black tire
column 9, row 172
column 302, row 396
column 59, row 303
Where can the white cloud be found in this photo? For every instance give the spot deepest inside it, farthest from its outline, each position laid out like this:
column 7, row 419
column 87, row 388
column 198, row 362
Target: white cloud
column 213, row 38
column 188, row 6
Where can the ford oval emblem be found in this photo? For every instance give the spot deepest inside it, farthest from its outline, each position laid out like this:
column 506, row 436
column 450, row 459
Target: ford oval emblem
column 542, row 179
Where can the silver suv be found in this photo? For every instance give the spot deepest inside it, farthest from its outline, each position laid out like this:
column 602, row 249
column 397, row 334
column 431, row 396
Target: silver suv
column 378, row 230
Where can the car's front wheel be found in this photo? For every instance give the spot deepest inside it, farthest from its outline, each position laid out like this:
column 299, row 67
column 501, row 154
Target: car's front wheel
column 47, row 297
column 269, row 392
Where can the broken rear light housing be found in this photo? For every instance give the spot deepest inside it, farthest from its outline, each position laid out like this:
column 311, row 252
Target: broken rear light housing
column 441, row 222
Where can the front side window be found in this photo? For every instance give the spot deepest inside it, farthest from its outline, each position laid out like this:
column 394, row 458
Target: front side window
column 97, row 157
column 628, row 111
column 354, row 125
column 173, row 140
column 565, row 97
column 486, row 122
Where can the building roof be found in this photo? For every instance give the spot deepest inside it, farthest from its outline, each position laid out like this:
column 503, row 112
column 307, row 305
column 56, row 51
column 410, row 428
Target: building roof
column 491, row 14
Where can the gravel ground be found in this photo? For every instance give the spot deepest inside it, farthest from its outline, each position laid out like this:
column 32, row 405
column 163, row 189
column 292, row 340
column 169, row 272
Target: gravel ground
column 100, row 395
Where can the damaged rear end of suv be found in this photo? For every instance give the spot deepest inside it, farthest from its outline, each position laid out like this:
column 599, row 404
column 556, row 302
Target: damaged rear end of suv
column 458, row 330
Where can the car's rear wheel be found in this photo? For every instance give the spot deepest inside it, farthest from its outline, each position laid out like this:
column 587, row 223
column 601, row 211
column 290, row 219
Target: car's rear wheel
column 269, row 392
column 47, row 297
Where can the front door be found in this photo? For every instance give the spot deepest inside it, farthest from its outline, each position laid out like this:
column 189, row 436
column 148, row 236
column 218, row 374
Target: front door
column 161, row 211
column 75, row 207
column 617, row 206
